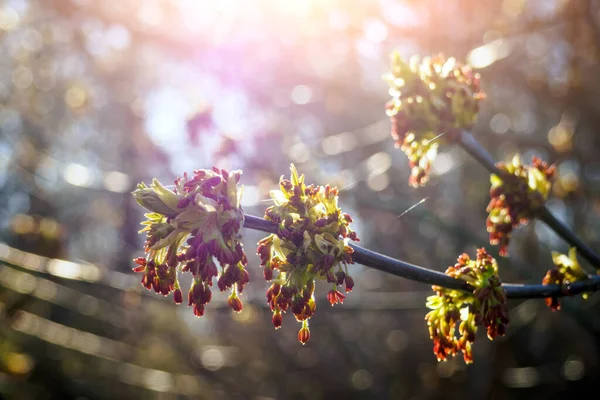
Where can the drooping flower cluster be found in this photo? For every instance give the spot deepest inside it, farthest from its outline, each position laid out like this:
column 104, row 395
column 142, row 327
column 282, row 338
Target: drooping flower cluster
column 187, row 229
column 431, row 99
column 566, row 271
column 485, row 306
column 310, row 244
column 516, row 197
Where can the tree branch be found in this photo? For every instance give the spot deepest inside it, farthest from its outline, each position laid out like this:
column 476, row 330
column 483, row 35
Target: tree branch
column 567, row 234
column 478, row 152
column 406, row 270
column 474, row 148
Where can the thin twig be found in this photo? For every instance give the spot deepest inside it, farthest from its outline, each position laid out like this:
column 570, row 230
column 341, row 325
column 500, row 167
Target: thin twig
column 405, row 270
column 567, row 234
column 517, row 291
column 413, row 272
column 478, row 152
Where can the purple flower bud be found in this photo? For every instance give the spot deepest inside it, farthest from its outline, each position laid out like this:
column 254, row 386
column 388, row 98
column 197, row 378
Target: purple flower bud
column 178, row 296
column 277, row 319
column 235, row 303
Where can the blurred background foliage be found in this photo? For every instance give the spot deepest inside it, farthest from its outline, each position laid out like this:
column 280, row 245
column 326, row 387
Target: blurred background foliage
column 99, row 95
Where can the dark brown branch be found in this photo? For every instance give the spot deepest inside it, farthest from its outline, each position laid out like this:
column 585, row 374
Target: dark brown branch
column 406, row 270
column 567, row 234
column 478, row 152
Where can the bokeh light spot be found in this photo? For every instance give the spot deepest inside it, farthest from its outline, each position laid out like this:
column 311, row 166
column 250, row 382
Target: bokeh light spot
column 212, row 358
column 521, row 377
column 23, row 224
column 299, row 152
column 377, row 182
column 379, row 162
column 375, row 30
column 397, row 340
column 362, row 379
column 301, row 94
column 25, row 283
column 118, row 37
column 116, row 181
column 247, row 315
column 573, row 369
column 9, row 18
column 251, row 196
column 64, row 269
column 32, row 40
column 560, row 137
column 159, row 381
column 486, row 55
column 75, row 97
column 78, row 175
column 513, row 8
column 342, row 142
column 17, row 363
column 22, row 77
column 49, row 228
column 443, row 163
column 500, row 123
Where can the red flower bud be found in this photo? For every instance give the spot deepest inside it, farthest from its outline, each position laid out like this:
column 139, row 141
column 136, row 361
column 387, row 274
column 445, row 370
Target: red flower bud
column 140, row 261
column 277, row 319
column 304, row 335
column 335, row 297
column 178, row 296
column 244, row 278
column 235, row 303
column 139, row 268
column 198, row 310
column 349, row 283
column 275, row 289
column 268, row 273
column 553, row 303
column 340, row 275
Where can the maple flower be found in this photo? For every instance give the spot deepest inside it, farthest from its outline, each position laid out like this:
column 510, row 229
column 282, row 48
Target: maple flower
column 566, row 271
column 187, row 229
column 452, row 309
column 310, row 244
column 516, row 197
column 432, row 99
column 304, row 333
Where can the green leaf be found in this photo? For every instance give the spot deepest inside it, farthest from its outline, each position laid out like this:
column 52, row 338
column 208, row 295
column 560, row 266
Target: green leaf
column 165, row 195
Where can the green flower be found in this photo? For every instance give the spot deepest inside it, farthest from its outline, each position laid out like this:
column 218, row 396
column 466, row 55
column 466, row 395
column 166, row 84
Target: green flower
column 516, row 197
column 310, row 244
column 451, row 309
column 187, row 229
column 431, row 99
column 566, row 271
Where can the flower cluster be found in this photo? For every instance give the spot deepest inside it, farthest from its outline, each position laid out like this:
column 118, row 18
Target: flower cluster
column 310, row 244
column 516, row 197
column 566, row 271
column 187, row 229
column 431, row 99
column 486, row 306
